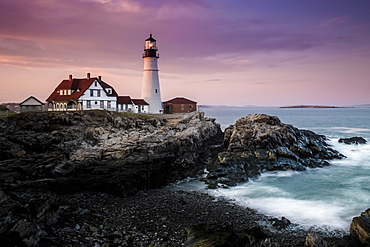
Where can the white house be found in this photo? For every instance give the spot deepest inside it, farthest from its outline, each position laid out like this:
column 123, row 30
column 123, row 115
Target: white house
column 91, row 93
column 83, row 94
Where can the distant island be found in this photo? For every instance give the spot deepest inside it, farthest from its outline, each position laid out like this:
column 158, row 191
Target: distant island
column 310, row 106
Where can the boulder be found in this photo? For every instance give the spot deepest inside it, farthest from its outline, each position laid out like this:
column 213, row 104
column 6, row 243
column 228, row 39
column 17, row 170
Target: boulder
column 360, row 229
column 259, row 142
column 314, row 240
column 353, row 140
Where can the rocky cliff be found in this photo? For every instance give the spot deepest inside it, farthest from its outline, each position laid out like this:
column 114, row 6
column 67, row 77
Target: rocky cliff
column 49, row 153
column 259, row 142
column 96, row 150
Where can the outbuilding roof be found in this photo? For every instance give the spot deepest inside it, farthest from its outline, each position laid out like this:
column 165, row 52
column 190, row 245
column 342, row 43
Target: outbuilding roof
column 123, row 100
column 139, row 102
column 180, row 100
column 31, row 101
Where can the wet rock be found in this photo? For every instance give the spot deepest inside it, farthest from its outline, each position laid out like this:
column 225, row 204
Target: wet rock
column 360, row 229
column 221, row 234
column 314, row 240
column 259, row 142
column 353, row 140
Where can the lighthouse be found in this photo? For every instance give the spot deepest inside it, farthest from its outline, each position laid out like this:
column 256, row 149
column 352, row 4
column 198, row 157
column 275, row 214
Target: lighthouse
column 150, row 90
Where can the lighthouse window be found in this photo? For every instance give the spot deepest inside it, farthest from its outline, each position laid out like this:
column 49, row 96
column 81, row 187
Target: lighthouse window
column 156, row 91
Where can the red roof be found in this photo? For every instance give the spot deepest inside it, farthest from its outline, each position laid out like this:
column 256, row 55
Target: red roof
column 139, row 102
column 180, row 100
column 79, row 86
column 123, row 100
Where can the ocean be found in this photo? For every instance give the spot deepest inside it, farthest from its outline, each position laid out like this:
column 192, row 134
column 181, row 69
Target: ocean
column 325, row 198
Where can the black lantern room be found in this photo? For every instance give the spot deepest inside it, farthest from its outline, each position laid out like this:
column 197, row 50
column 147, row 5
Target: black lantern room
column 150, row 47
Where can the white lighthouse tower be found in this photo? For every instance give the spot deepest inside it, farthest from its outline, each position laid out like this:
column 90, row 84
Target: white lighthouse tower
column 150, row 90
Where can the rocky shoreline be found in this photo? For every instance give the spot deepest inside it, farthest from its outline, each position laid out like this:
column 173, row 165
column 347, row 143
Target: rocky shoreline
column 91, row 179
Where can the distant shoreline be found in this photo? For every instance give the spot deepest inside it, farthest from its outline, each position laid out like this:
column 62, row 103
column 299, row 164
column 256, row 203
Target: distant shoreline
column 313, row 106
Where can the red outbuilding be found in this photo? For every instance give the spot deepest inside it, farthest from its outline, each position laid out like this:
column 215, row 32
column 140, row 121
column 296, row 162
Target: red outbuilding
column 179, row 105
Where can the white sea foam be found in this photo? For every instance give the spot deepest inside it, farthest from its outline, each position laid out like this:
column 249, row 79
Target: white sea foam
column 350, row 130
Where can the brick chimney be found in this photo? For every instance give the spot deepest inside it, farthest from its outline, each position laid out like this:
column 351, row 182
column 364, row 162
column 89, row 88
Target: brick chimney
column 88, row 75
column 70, row 77
column 99, row 77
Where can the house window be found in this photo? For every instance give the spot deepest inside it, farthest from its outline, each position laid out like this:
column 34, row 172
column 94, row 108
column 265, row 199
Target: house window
column 102, row 104
column 98, row 93
column 96, row 102
column 109, row 104
column 88, row 104
column 91, row 93
column 96, row 83
column 182, row 107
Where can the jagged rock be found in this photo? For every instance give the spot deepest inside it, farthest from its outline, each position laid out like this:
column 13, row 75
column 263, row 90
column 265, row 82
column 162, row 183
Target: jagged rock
column 360, row 229
column 223, row 234
column 96, row 150
column 353, row 140
column 43, row 153
column 314, row 240
column 259, row 142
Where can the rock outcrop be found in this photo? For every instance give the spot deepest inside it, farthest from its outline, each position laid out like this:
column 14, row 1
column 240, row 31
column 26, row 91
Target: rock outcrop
column 259, row 142
column 96, row 150
column 47, row 153
column 353, row 140
column 360, row 229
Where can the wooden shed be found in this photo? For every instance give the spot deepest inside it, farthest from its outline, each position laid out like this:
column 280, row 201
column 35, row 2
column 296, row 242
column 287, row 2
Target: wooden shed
column 31, row 104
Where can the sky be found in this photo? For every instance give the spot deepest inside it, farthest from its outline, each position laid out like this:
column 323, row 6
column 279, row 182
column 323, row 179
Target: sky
column 215, row 52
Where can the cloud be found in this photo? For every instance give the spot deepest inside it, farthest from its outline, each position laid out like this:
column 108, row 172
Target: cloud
column 336, row 21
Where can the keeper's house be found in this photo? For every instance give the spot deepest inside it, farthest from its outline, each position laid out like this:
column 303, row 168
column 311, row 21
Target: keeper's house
column 91, row 93
column 179, row 105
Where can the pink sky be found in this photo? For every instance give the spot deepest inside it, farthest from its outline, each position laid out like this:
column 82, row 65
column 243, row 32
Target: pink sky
column 241, row 52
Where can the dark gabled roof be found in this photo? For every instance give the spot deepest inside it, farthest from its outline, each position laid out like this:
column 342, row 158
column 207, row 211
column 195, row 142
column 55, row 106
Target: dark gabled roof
column 79, row 86
column 139, row 102
column 31, row 97
column 180, row 100
column 123, row 100
column 150, row 39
